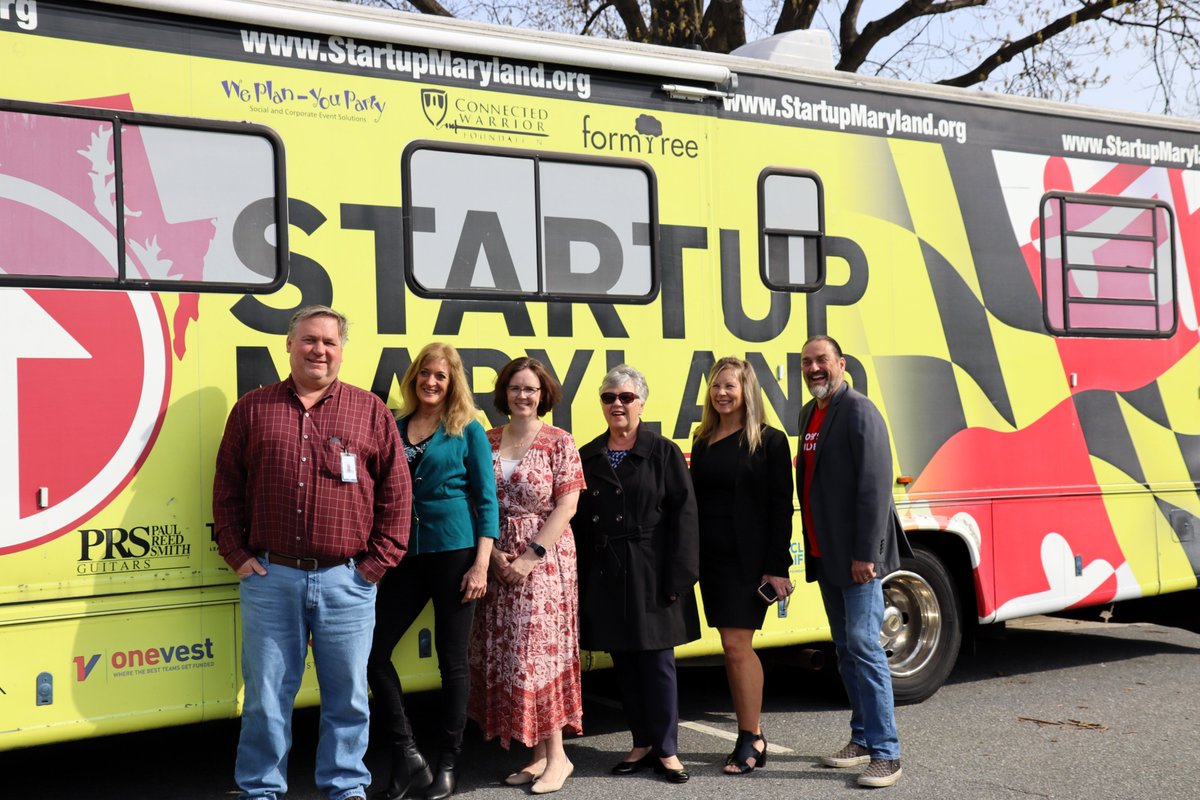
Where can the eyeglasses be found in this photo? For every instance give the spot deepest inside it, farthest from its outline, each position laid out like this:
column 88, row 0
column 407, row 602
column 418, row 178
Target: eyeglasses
column 608, row 398
column 524, row 391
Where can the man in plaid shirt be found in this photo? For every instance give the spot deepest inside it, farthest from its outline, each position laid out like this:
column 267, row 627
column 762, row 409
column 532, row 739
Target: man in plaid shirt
column 311, row 502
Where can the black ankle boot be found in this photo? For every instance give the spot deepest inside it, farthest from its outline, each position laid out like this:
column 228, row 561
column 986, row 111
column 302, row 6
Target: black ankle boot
column 411, row 775
column 445, row 780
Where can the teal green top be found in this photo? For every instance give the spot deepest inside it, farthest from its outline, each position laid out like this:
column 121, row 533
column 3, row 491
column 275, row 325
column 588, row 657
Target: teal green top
column 454, row 491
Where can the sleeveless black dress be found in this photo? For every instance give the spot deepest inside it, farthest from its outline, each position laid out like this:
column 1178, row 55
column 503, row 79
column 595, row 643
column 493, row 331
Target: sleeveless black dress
column 730, row 601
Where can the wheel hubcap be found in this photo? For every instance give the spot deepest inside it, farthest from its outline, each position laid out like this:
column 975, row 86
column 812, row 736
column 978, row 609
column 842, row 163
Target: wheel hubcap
column 912, row 622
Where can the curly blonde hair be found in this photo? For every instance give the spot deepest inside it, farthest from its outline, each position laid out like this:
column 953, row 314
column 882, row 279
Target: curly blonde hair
column 459, row 409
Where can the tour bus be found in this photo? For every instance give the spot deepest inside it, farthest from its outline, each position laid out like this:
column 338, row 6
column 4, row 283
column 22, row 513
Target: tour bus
column 1011, row 281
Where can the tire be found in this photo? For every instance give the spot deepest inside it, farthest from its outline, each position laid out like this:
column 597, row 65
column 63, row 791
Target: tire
column 922, row 629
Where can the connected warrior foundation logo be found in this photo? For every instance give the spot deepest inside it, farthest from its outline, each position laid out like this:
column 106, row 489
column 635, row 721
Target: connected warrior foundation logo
column 479, row 120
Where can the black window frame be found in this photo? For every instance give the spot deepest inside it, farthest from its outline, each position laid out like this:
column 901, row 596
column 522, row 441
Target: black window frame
column 537, row 157
column 120, row 118
column 1113, row 201
column 817, row 234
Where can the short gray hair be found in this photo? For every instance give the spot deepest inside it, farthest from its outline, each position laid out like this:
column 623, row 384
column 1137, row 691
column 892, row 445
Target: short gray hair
column 308, row 312
column 623, row 373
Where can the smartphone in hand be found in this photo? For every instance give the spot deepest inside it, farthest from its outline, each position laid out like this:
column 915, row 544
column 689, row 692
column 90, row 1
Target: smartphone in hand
column 767, row 592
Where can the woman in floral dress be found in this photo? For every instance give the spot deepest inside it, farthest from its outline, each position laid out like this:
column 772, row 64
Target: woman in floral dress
column 524, row 653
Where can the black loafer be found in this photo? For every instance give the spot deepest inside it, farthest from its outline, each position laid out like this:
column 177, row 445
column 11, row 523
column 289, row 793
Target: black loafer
column 630, row 767
column 675, row 775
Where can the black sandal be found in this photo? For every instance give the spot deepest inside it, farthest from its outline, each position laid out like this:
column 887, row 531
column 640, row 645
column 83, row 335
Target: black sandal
column 744, row 751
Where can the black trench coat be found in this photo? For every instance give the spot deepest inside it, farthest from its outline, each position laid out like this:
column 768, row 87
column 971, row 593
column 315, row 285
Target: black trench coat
column 638, row 542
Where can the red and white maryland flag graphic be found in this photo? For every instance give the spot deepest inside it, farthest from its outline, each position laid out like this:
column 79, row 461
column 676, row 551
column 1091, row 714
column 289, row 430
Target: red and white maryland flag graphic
column 87, row 373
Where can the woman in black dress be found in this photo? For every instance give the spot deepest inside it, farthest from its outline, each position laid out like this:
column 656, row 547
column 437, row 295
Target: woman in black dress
column 742, row 472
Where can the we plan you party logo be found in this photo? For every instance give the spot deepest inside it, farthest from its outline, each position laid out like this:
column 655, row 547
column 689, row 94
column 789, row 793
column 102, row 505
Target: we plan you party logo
column 315, row 102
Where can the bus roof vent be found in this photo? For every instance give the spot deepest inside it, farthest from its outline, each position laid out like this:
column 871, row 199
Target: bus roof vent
column 810, row 49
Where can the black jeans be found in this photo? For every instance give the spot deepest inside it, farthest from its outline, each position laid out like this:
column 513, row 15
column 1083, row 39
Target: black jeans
column 403, row 595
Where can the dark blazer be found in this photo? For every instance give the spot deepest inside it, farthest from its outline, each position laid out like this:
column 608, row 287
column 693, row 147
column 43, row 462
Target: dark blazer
column 638, row 544
column 454, row 491
column 762, row 504
column 851, row 494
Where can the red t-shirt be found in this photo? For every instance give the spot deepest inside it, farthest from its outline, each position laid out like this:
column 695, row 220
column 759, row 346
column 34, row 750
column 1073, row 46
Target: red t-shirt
column 808, row 452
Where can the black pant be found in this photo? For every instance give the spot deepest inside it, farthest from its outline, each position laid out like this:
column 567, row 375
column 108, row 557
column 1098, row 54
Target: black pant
column 403, row 595
column 650, row 695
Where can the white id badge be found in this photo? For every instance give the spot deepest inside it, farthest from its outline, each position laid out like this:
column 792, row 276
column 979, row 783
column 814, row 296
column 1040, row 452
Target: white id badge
column 349, row 468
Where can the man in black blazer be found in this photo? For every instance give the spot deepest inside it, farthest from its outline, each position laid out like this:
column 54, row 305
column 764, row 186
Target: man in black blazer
column 853, row 539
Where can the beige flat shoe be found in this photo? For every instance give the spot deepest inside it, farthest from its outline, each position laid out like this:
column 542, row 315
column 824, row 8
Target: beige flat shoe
column 545, row 787
column 521, row 778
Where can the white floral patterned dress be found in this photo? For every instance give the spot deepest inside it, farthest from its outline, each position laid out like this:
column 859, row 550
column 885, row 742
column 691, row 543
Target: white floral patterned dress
column 524, row 650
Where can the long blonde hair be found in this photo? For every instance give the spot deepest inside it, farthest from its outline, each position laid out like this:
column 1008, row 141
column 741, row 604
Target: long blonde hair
column 752, row 403
column 459, row 408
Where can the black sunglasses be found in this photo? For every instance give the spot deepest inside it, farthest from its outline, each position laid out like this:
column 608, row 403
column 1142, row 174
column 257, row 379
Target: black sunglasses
column 608, row 398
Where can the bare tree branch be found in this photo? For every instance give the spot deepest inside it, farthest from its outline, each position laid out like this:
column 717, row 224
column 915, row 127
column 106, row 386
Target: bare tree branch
column 676, row 23
column 600, row 9
column 723, row 27
column 796, row 15
column 432, row 7
column 1085, row 13
column 635, row 24
column 848, row 26
column 856, row 47
column 1020, row 46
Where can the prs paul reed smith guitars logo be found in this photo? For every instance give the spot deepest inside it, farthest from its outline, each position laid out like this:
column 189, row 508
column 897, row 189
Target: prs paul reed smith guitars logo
column 106, row 551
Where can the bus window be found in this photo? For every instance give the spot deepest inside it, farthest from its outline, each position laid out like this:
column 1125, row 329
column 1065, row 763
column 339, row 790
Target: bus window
column 104, row 199
column 791, row 221
column 519, row 225
column 1108, row 266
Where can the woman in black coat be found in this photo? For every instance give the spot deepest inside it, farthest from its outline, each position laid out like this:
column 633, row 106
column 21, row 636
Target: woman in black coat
column 742, row 473
column 637, row 540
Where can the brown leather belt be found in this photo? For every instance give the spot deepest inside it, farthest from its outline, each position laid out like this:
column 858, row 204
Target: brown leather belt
column 297, row 562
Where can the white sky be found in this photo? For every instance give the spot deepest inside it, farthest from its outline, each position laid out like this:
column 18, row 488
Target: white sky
column 1131, row 85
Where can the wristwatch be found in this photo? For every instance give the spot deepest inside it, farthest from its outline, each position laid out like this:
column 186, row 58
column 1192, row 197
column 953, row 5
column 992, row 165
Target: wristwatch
column 537, row 549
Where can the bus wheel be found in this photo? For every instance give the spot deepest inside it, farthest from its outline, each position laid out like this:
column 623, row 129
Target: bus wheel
column 921, row 630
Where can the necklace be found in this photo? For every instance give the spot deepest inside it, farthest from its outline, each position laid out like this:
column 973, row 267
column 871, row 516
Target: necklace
column 419, row 429
column 517, row 447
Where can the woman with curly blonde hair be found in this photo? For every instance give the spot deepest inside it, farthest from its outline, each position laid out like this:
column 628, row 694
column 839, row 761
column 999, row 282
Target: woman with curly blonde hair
column 455, row 522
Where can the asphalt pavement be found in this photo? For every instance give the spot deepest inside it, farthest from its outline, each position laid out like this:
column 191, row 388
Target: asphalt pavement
column 1050, row 709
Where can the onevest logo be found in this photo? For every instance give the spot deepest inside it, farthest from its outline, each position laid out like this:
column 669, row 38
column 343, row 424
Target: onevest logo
column 150, row 660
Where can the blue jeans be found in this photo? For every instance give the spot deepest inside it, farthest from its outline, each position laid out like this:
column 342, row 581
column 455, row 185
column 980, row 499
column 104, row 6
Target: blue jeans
column 855, row 616
column 280, row 611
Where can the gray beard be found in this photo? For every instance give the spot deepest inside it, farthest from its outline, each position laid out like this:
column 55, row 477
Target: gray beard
column 819, row 392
